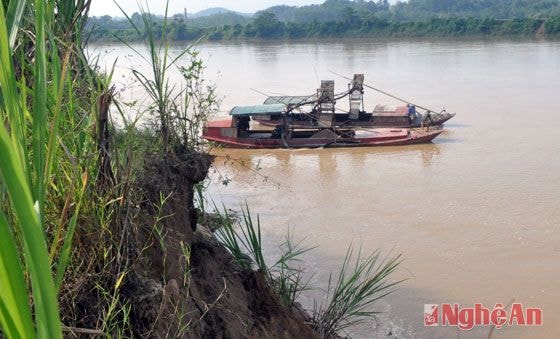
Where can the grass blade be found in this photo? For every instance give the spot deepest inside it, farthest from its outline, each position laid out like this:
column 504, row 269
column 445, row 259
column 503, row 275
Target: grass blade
column 357, row 286
column 40, row 108
column 65, row 253
column 13, row 174
column 51, row 149
column 15, row 314
column 9, row 94
column 46, row 305
column 15, row 13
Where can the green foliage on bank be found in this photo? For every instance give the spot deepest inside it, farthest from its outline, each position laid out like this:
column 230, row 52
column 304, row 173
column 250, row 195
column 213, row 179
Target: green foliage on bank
column 343, row 18
column 266, row 26
column 552, row 25
column 46, row 158
column 497, row 9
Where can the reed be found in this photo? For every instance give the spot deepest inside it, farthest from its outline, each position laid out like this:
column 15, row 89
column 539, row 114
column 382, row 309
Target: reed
column 242, row 238
column 179, row 110
column 45, row 157
column 361, row 281
column 26, row 197
column 289, row 277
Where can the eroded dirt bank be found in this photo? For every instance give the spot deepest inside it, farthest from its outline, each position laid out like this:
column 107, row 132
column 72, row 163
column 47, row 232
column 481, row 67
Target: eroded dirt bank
column 181, row 282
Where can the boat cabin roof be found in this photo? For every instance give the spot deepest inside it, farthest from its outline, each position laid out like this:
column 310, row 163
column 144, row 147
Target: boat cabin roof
column 290, row 100
column 273, row 109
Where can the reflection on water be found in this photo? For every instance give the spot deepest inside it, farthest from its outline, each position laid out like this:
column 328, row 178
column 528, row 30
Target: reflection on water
column 326, row 162
column 475, row 213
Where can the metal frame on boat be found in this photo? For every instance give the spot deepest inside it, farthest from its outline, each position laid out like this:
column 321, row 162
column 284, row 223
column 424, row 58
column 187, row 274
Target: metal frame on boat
column 306, row 111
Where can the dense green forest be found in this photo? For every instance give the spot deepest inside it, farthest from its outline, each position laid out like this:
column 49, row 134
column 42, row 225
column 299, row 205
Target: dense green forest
column 344, row 18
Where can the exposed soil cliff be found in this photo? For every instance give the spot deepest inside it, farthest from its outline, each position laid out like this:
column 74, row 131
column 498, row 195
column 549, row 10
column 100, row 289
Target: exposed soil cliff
column 186, row 284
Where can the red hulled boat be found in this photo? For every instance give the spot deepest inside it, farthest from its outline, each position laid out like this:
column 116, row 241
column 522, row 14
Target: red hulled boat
column 236, row 132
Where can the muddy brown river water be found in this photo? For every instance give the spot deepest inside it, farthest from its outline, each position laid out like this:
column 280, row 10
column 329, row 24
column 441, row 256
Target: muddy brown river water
column 476, row 213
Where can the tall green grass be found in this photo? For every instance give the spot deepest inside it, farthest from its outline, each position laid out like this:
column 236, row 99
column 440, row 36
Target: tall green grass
column 43, row 180
column 26, row 197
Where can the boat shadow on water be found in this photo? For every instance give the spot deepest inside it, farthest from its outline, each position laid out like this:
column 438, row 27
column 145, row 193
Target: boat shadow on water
column 288, row 160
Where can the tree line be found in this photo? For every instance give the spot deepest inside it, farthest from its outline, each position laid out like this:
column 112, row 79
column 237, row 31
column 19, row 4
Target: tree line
column 344, row 18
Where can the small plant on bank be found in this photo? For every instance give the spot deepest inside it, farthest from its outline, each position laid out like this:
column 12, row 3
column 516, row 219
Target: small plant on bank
column 179, row 111
column 290, row 282
column 361, row 281
column 242, row 238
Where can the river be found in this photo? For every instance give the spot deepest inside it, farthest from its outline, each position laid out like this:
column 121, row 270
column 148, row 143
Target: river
column 475, row 213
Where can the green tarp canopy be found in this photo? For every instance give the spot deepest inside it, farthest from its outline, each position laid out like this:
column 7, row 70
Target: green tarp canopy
column 290, row 100
column 275, row 109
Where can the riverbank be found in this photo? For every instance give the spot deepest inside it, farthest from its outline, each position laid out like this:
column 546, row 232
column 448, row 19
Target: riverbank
column 185, row 284
column 368, row 28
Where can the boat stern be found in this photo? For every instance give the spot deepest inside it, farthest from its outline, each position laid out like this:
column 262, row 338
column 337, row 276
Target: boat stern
column 220, row 130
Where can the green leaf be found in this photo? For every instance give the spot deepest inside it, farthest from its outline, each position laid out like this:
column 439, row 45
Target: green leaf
column 15, row 314
column 13, row 173
column 14, row 15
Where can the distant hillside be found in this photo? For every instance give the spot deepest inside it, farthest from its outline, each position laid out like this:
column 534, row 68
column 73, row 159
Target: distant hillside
column 498, row 9
column 216, row 11
column 210, row 11
column 217, row 20
column 414, row 10
column 330, row 10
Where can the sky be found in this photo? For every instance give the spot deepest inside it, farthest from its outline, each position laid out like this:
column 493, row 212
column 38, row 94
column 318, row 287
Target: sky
column 107, row 7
